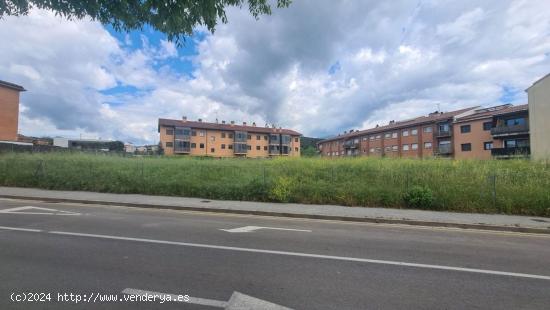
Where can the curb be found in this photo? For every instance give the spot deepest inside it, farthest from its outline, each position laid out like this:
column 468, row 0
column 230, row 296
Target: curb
column 295, row 215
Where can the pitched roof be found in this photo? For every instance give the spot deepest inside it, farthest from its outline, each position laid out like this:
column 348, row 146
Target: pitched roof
column 228, row 127
column 514, row 109
column 12, row 86
column 484, row 113
column 433, row 117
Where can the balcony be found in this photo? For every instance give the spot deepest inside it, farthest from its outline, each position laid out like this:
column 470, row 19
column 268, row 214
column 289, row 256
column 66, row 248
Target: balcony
column 522, row 151
column 351, row 144
column 444, row 149
column 510, row 130
column 443, row 133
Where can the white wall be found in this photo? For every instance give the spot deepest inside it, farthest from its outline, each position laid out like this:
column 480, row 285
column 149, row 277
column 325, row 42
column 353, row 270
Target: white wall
column 539, row 118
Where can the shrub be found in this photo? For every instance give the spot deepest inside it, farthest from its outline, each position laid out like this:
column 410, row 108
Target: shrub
column 281, row 189
column 419, row 197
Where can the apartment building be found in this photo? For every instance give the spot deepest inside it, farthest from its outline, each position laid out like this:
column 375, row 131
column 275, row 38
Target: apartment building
column 481, row 133
column 9, row 110
column 198, row 138
column 539, row 104
column 496, row 132
column 419, row 137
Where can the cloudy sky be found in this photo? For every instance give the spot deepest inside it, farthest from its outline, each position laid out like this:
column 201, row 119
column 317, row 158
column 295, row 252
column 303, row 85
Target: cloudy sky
column 320, row 67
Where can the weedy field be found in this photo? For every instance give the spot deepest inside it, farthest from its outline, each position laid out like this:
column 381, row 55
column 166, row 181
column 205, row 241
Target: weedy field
column 492, row 186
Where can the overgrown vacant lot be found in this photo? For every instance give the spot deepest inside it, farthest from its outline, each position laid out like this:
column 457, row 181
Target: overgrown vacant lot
column 512, row 186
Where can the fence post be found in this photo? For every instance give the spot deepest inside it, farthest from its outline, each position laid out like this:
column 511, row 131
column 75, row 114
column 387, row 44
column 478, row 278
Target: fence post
column 494, row 189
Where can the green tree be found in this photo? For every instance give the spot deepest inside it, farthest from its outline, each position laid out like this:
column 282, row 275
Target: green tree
column 309, row 151
column 175, row 18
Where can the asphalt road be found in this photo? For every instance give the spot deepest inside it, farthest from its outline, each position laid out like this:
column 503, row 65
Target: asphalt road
column 90, row 250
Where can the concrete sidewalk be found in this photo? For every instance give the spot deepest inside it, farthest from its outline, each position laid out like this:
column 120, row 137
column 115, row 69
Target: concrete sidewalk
column 496, row 222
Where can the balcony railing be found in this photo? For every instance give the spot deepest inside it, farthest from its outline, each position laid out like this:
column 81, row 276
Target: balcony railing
column 444, row 149
column 443, row 133
column 351, row 144
column 511, row 151
column 507, row 130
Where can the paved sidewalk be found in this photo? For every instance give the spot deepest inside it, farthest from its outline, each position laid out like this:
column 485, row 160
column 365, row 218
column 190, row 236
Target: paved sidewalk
column 379, row 215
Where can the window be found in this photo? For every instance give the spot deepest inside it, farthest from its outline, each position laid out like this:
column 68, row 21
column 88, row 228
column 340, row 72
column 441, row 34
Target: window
column 249, row 147
column 265, row 147
column 388, row 148
column 212, row 150
column 296, row 149
column 465, row 128
column 466, row 147
column 427, row 145
column 223, row 134
column 405, row 147
column 371, row 138
column 414, row 132
column 414, row 146
column 201, row 145
column 379, row 137
column 405, row 133
column 488, row 145
column 193, row 133
column 394, row 135
column 265, row 138
column 230, row 136
column 169, row 144
column 248, row 137
column 258, row 137
column 387, row 136
column 169, row 132
column 371, row 150
column 444, row 127
column 230, row 146
column 395, row 148
column 223, row 146
column 514, row 121
column 258, row 147
column 365, row 138
column 487, row 126
column 296, row 139
column 427, row 129
column 201, row 133
column 193, row 145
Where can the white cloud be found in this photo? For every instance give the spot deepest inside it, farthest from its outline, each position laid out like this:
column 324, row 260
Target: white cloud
column 396, row 60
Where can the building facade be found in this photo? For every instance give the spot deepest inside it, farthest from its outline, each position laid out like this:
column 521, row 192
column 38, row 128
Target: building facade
column 539, row 106
column 198, row 138
column 480, row 133
column 420, row 137
column 9, row 110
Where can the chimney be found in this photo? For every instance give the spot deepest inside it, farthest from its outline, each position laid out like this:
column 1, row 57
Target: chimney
column 184, row 118
column 216, row 120
column 266, row 125
column 200, row 119
column 223, row 122
column 434, row 113
column 232, row 123
column 244, row 123
column 377, row 126
column 345, row 132
column 254, row 124
column 392, row 122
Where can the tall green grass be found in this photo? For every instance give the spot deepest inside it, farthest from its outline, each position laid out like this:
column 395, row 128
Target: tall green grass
column 512, row 186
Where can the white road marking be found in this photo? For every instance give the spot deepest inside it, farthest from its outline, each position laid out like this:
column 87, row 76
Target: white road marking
column 192, row 300
column 23, row 210
column 320, row 256
column 20, row 229
column 246, row 229
column 237, row 301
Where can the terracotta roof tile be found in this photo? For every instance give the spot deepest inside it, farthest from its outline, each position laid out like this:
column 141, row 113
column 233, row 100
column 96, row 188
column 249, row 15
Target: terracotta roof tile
column 228, row 127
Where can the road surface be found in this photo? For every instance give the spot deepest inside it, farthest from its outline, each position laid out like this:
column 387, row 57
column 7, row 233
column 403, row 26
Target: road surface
column 94, row 250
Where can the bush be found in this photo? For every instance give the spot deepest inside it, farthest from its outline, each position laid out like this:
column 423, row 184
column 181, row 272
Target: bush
column 281, row 190
column 419, row 197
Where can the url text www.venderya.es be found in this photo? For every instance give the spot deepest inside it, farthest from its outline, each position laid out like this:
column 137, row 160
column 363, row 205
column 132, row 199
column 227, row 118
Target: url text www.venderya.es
column 93, row 297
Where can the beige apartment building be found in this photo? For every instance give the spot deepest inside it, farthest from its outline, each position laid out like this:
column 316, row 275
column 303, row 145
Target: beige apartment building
column 9, row 110
column 198, row 138
column 495, row 132
column 539, row 106
column 481, row 133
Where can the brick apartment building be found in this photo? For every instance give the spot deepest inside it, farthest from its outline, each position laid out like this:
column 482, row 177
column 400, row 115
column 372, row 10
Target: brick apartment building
column 198, row 138
column 483, row 133
column 9, row 110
